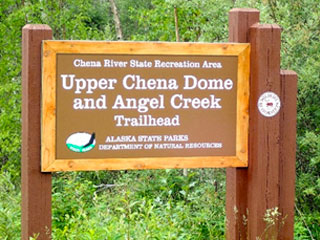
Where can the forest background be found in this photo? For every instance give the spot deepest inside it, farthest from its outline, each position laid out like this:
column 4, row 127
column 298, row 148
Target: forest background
column 157, row 204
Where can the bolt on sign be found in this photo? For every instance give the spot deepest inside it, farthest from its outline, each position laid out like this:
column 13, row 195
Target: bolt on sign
column 144, row 105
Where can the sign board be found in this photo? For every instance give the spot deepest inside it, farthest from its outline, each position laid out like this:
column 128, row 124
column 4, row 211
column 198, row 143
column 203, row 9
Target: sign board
column 144, row 105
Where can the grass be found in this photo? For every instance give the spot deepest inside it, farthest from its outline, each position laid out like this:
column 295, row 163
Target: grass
column 160, row 204
column 141, row 205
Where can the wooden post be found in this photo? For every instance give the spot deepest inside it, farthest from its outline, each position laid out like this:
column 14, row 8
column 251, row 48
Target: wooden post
column 36, row 186
column 268, row 182
column 240, row 21
column 264, row 147
column 287, row 173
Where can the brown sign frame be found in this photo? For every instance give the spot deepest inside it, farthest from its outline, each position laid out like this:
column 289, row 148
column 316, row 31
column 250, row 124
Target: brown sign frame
column 49, row 162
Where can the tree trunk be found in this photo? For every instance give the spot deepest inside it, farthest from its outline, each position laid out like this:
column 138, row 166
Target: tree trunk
column 176, row 24
column 116, row 19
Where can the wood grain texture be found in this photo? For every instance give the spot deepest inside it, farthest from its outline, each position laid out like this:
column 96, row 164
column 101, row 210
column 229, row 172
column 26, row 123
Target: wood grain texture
column 287, row 168
column 268, row 182
column 240, row 21
column 51, row 48
column 264, row 149
column 48, row 125
column 243, row 105
column 143, row 163
column 161, row 48
column 36, row 186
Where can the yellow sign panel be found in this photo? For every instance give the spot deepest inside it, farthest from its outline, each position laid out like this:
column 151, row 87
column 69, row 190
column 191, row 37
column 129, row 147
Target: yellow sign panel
column 144, row 105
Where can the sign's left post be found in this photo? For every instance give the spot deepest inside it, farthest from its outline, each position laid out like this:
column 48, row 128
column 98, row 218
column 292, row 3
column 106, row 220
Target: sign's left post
column 36, row 186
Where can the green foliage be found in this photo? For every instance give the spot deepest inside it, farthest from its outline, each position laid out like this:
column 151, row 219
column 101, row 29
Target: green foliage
column 77, row 19
column 10, row 86
column 70, row 19
column 154, row 204
column 10, row 212
column 195, row 20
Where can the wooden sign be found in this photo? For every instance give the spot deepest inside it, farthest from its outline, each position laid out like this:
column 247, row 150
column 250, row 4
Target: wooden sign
column 143, row 105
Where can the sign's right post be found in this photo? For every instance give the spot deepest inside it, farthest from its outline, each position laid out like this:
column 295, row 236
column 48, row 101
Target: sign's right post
column 267, row 185
column 287, row 165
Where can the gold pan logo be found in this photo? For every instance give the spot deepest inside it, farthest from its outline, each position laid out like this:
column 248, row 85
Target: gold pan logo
column 81, row 142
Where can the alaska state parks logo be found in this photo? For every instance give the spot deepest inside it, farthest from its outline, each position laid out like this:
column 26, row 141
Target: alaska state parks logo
column 81, row 142
column 269, row 104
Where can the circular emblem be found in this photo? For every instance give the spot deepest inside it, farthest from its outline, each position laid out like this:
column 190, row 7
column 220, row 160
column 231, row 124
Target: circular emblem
column 81, row 142
column 269, row 104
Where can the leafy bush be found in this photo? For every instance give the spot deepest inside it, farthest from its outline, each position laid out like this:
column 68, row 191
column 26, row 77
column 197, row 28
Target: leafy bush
column 155, row 205
column 10, row 211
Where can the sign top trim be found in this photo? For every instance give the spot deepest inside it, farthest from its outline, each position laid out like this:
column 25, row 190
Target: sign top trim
column 146, row 48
